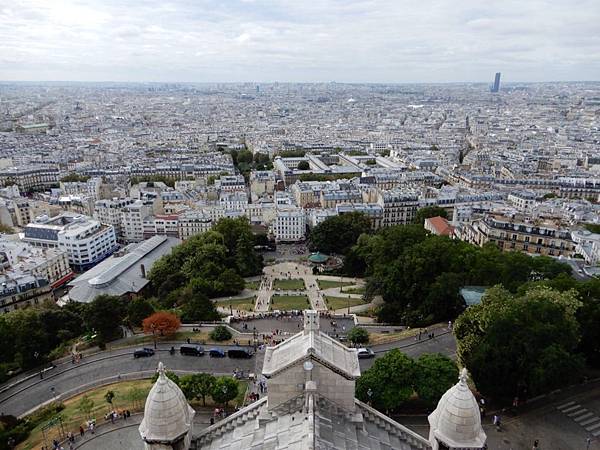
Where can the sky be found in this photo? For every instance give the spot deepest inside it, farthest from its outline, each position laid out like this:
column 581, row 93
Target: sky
column 381, row 41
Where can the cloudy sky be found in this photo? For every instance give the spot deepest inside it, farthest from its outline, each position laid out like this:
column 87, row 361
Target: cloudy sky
column 300, row 40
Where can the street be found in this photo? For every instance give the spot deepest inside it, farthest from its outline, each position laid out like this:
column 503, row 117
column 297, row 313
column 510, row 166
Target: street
column 67, row 377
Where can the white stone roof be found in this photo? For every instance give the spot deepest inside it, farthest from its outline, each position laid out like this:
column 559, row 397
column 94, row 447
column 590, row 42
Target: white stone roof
column 167, row 415
column 316, row 344
column 292, row 426
column 457, row 421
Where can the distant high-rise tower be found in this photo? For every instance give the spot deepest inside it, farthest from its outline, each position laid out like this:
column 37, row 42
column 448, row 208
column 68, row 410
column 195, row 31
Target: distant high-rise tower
column 257, row 89
column 496, row 86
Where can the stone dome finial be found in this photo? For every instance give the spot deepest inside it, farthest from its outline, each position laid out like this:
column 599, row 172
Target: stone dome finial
column 168, row 418
column 456, row 422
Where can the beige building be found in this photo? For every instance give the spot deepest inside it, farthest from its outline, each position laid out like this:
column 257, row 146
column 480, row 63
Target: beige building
column 515, row 233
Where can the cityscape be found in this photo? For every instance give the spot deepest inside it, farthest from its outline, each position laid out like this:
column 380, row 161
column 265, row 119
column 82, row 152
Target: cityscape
column 296, row 264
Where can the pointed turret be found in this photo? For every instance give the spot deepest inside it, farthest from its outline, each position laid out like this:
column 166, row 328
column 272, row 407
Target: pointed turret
column 168, row 418
column 456, row 422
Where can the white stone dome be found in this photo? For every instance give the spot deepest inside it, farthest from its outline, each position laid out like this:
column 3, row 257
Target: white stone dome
column 167, row 415
column 457, row 421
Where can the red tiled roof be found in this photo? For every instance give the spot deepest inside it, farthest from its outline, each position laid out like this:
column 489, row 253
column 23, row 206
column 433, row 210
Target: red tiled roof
column 440, row 225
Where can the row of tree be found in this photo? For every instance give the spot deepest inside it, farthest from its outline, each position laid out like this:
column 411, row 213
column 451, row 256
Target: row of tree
column 200, row 386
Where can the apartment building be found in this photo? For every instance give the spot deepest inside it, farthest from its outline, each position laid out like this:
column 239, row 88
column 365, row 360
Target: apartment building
column 132, row 220
column 399, row 206
column 51, row 264
column 30, row 178
column 108, row 212
column 193, row 222
column 518, row 233
column 289, row 224
column 86, row 240
column 161, row 225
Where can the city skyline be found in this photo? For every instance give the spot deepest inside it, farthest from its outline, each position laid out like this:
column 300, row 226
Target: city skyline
column 284, row 41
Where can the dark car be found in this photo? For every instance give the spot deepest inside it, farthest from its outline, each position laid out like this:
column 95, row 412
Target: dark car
column 143, row 352
column 216, row 353
column 365, row 353
column 191, row 349
column 239, row 352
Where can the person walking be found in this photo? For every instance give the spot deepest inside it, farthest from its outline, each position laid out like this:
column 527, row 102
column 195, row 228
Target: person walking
column 536, row 445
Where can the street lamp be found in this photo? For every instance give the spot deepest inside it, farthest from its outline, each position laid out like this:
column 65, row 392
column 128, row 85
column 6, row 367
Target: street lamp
column 36, row 355
column 153, row 326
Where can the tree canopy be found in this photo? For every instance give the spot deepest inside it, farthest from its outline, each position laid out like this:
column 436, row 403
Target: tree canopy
column 224, row 390
column 419, row 275
column 395, row 378
column 208, row 265
column 338, row 234
column 528, row 341
column 162, row 323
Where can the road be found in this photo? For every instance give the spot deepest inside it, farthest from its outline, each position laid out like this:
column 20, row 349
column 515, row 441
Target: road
column 66, row 378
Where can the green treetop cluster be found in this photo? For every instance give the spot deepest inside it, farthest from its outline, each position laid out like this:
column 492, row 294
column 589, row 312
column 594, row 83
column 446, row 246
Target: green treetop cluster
column 205, row 266
column 419, row 275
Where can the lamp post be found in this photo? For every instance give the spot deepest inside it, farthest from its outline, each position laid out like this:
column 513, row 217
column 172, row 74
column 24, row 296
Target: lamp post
column 153, row 326
column 36, row 355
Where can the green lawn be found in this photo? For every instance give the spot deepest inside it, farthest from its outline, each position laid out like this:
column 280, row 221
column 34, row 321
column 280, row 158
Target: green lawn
column 252, row 285
column 357, row 290
column 244, row 304
column 334, row 303
column 73, row 417
column 295, row 284
column 328, row 284
column 288, row 302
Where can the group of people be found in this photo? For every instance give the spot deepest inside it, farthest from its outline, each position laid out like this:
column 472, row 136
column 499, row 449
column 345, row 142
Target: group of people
column 76, row 357
column 114, row 415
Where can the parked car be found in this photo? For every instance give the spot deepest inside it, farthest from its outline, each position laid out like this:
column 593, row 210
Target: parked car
column 191, row 349
column 216, row 353
column 366, row 353
column 240, row 352
column 143, row 352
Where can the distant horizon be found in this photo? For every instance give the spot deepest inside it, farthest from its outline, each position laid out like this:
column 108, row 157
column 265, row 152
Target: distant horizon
column 349, row 41
column 254, row 82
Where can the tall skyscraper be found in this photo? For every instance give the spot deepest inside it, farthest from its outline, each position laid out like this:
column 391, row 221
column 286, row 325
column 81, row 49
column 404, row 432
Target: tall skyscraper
column 496, row 86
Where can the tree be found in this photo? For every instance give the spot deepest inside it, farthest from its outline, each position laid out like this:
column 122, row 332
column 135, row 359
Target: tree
column 197, row 307
column 358, row 335
column 224, row 390
column 515, row 338
column 389, row 381
column 428, row 212
column 338, row 234
column 197, row 385
column 162, row 322
column 109, row 397
column 434, row 375
column 220, row 333
column 104, row 315
column 303, row 165
column 136, row 396
column 137, row 310
column 86, row 405
column 248, row 262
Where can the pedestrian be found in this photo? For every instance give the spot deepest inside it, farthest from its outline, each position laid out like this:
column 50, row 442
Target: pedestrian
column 536, row 445
column 449, row 324
column 81, row 431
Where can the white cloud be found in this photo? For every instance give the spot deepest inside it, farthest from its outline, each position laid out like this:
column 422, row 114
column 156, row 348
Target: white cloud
column 293, row 40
